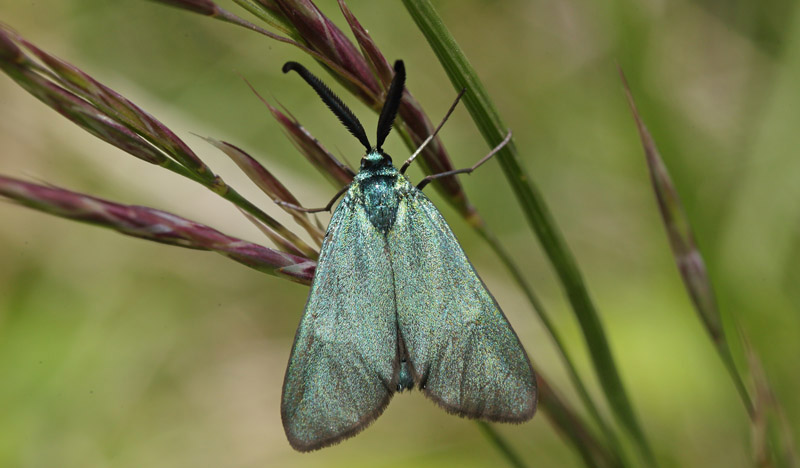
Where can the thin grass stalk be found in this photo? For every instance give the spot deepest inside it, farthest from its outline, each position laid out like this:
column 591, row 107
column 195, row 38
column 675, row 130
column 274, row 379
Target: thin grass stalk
column 268, row 184
column 323, row 160
column 486, row 117
column 269, row 13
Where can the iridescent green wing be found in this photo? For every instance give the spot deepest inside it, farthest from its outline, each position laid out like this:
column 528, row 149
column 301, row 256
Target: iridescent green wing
column 463, row 353
column 341, row 373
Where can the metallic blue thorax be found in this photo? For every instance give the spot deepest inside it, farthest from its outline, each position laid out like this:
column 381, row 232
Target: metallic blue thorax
column 377, row 180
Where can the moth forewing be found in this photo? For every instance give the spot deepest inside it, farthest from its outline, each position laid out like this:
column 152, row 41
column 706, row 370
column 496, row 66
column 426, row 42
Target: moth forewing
column 344, row 363
column 462, row 351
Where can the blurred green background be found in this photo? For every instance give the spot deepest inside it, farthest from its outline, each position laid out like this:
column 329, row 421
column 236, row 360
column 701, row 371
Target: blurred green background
column 120, row 352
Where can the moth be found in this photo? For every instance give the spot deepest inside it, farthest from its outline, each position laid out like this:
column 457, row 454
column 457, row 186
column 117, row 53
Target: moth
column 395, row 304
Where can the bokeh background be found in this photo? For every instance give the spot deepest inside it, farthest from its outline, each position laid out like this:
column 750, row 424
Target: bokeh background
column 120, row 352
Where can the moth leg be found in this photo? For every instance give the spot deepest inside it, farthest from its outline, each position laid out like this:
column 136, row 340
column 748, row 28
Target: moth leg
column 327, row 207
column 467, row 170
column 435, row 132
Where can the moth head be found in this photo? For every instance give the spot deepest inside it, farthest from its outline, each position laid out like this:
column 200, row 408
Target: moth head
column 375, row 159
column 393, row 97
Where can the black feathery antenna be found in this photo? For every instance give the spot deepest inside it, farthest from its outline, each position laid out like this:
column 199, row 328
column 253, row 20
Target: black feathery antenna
column 333, row 102
column 393, row 98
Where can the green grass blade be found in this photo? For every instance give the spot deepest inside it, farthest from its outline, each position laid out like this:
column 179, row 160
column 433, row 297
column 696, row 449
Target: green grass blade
column 486, row 117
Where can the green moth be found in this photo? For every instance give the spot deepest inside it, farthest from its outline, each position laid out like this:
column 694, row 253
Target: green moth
column 395, row 304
